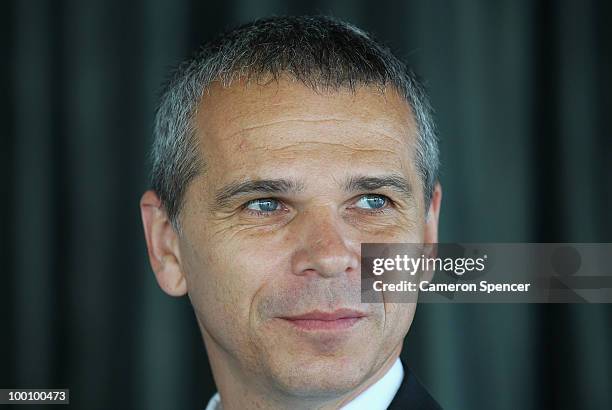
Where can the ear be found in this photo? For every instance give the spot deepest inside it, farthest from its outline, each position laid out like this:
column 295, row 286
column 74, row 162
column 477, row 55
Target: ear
column 430, row 237
column 431, row 218
column 162, row 245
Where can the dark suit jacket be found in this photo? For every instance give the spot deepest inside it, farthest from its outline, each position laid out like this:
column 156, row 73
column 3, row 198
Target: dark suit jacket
column 412, row 395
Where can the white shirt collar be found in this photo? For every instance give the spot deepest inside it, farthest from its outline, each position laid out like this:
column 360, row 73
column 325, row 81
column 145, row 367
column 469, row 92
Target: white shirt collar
column 379, row 395
column 214, row 403
column 376, row 397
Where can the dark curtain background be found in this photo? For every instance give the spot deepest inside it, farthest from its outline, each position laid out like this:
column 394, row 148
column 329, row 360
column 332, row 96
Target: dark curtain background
column 523, row 93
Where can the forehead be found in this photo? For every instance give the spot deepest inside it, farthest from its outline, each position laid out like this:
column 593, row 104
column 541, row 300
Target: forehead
column 250, row 128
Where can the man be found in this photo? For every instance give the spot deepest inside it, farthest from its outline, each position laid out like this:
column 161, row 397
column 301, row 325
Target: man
column 280, row 148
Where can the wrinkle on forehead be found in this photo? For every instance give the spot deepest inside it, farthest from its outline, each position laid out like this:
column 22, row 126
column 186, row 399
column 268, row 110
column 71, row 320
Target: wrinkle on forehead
column 286, row 120
column 353, row 149
column 251, row 104
column 382, row 131
column 242, row 125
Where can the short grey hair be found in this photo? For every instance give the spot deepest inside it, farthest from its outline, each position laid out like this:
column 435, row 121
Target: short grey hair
column 321, row 52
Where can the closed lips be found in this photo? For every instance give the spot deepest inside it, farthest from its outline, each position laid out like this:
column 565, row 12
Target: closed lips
column 318, row 320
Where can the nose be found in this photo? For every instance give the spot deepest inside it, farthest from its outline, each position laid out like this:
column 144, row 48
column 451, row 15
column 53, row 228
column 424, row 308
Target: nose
column 325, row 249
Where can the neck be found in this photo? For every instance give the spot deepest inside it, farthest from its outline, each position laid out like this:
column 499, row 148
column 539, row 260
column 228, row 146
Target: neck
column 243, row 389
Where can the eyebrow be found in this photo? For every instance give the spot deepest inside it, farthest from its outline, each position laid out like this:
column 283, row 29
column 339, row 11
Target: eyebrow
column 262, row 186
column 366, row 183
column 358, row 183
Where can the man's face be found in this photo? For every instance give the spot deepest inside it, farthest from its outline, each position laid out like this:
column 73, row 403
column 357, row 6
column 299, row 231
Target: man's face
column 294, row 182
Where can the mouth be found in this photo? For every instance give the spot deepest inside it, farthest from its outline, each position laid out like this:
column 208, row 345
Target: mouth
column 317, row 320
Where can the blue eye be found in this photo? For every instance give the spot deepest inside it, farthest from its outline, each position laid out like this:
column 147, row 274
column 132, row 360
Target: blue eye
column 372, row 202
column 263, row 205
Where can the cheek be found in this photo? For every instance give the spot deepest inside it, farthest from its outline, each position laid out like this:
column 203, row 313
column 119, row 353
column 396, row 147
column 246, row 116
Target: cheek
column 224, row 278
column 398, row 318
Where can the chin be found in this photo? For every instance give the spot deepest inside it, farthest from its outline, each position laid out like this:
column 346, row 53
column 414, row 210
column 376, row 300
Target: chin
column 320, row 376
